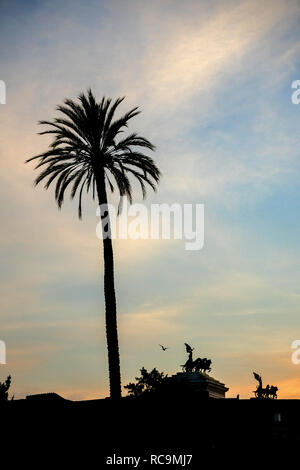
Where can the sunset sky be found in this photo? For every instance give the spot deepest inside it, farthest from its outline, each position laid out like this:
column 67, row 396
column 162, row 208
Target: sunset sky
column 213, row 81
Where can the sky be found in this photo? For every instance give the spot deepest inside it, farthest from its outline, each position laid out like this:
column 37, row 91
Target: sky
column 213, row 82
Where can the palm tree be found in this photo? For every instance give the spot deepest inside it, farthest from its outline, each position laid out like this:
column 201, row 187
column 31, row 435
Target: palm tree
column 87, row 153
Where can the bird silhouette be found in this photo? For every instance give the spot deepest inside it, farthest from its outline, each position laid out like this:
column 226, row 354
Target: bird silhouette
column 189, row 349
column 163, row 347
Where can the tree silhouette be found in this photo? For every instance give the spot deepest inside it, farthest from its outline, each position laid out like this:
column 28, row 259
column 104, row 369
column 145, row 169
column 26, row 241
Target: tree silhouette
column 4, row 387
column 148, row 382
column 88, row 153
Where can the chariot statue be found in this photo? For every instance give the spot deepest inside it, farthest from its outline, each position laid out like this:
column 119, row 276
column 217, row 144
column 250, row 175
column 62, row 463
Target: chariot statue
column 201, row 365
column 270, row 391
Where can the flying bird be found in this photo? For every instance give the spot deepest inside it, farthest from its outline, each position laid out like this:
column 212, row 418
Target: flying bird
column 189, row 349
column 163, row 347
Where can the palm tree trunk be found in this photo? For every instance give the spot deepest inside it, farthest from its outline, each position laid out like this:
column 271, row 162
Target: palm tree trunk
column 109, row 294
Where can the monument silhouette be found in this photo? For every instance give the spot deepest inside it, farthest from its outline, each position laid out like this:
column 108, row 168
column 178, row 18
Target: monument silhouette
column 195, row 379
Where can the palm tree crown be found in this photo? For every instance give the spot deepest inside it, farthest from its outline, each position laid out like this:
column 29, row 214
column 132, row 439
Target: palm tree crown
column 85, row 142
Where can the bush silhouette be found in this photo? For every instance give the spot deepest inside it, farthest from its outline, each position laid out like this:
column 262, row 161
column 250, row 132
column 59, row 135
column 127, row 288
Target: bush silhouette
column 148, row 382
column 4, row 387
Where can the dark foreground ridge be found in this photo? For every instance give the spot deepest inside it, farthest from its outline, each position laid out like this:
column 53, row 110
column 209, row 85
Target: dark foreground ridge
column 97, row 429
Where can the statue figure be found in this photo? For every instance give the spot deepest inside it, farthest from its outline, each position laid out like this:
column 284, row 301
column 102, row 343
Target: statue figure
column 267, row 392
column 188, row 348
column 188, row 366
column 259, row 390
column 199, row 365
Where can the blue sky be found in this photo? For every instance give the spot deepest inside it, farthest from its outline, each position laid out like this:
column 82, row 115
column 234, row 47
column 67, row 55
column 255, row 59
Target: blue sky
column 214, row 85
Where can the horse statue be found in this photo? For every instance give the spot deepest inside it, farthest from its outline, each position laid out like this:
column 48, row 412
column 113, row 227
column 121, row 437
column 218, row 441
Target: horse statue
column 270, row 391
column 202, row 365
column 273, row 392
